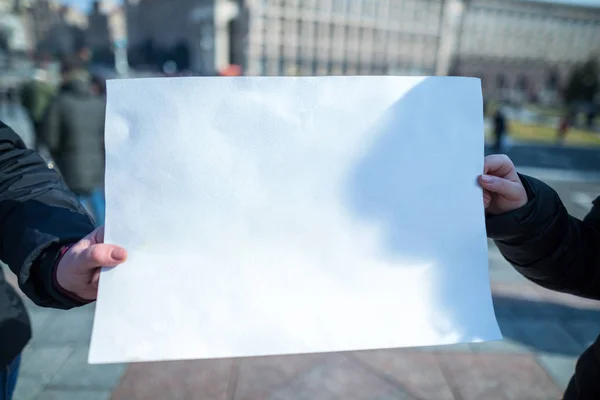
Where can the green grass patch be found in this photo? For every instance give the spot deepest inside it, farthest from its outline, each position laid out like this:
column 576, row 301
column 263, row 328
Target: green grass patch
column 547, row 135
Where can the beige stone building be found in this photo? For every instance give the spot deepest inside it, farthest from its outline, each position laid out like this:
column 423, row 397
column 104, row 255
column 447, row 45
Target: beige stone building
column 525, row 49
column 275, row 37
column 321, row 37
column 517, row 46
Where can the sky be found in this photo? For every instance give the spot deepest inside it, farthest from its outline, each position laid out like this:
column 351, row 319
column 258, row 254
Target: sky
column 86, row 4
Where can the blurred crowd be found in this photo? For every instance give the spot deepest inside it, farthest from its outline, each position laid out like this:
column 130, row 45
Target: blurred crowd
column 68, row 120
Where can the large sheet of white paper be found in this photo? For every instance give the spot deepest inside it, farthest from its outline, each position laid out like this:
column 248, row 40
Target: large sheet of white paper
column 292, row 215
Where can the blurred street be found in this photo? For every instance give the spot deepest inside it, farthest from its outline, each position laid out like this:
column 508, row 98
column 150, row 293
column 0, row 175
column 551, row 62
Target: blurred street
column 544, row 334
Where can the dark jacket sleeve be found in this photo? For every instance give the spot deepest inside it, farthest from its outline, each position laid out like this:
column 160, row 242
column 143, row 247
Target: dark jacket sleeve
column 38, row 215
column 547, row 245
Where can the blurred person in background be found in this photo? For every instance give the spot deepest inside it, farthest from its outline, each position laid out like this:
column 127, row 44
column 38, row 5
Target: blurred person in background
column 36, row 96
column 500, row 127
column 74, row 132
column 563, row 127
column 83, row 54
column 48, row 240
column 98, row 86
column 533, row 231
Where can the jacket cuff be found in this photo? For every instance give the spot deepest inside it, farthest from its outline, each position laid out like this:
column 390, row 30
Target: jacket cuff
column 60, row 289
column 527, row 220
column 45, row 267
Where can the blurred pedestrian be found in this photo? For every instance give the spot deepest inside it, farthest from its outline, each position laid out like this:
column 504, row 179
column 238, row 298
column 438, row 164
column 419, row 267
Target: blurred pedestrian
column 36, row 96
column 563, row 127
column 500, row 127
column 83, row 54
column 98, row 86
column 534, row 232
column 49, row 242
column 74, row 132
column 590, row 117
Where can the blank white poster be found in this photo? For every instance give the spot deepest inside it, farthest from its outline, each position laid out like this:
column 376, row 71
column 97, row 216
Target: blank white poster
column 281, row 215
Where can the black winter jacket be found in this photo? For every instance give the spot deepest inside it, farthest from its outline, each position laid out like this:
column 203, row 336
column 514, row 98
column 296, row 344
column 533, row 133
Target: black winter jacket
column 559, row 252
column 38, row 215
column 73, row 131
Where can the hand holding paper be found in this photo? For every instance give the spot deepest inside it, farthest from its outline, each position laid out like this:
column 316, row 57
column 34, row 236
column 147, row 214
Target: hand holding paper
column 503, row 190
column 292, row 215
column 78, row 271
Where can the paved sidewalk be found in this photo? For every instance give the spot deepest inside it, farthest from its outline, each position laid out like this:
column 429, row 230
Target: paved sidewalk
column 544, row 334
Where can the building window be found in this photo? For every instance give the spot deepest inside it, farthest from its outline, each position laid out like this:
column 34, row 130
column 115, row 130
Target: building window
column 263, row 66
column 339, row 6
column 501, row 81
column 553, row 79
column 522, row 83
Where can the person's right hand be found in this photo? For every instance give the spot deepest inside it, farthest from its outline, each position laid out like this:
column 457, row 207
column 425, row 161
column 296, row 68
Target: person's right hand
column 502, row 188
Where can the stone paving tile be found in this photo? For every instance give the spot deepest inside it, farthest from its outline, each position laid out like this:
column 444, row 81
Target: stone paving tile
column 57, row 394
column 179, row 380
column 506, row 346
column 584, row 331
column 548, row 336
column 39, row 317
column 338, row 378
column 419, row 373
column 28, row 388
column 506, row 275
column 42, row 363
column 258, row 376
column 520, row 300
column 77, row 373
column 509, row 345
column 525, row 290
column 573, row 303
column 559, row 367
column 71, row 327
column 497, row 377
column 449, row 348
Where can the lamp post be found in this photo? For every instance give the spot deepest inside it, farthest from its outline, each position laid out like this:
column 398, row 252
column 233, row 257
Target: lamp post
column 121, row 61
column 451, row 31
column 213, row 49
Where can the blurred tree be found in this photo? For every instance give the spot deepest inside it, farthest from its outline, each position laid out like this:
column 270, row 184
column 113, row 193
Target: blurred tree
column 583, row 83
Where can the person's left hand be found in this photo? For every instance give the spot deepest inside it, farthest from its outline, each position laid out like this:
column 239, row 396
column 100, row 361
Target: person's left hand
column 78, row 271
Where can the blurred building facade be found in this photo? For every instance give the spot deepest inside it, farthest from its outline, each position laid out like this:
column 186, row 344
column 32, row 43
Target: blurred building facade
column 190, row 31
column 518, row 47
column 14, row 32
column 524, row 49
column 276, row 37
column 48, row 24
column 323, row 37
